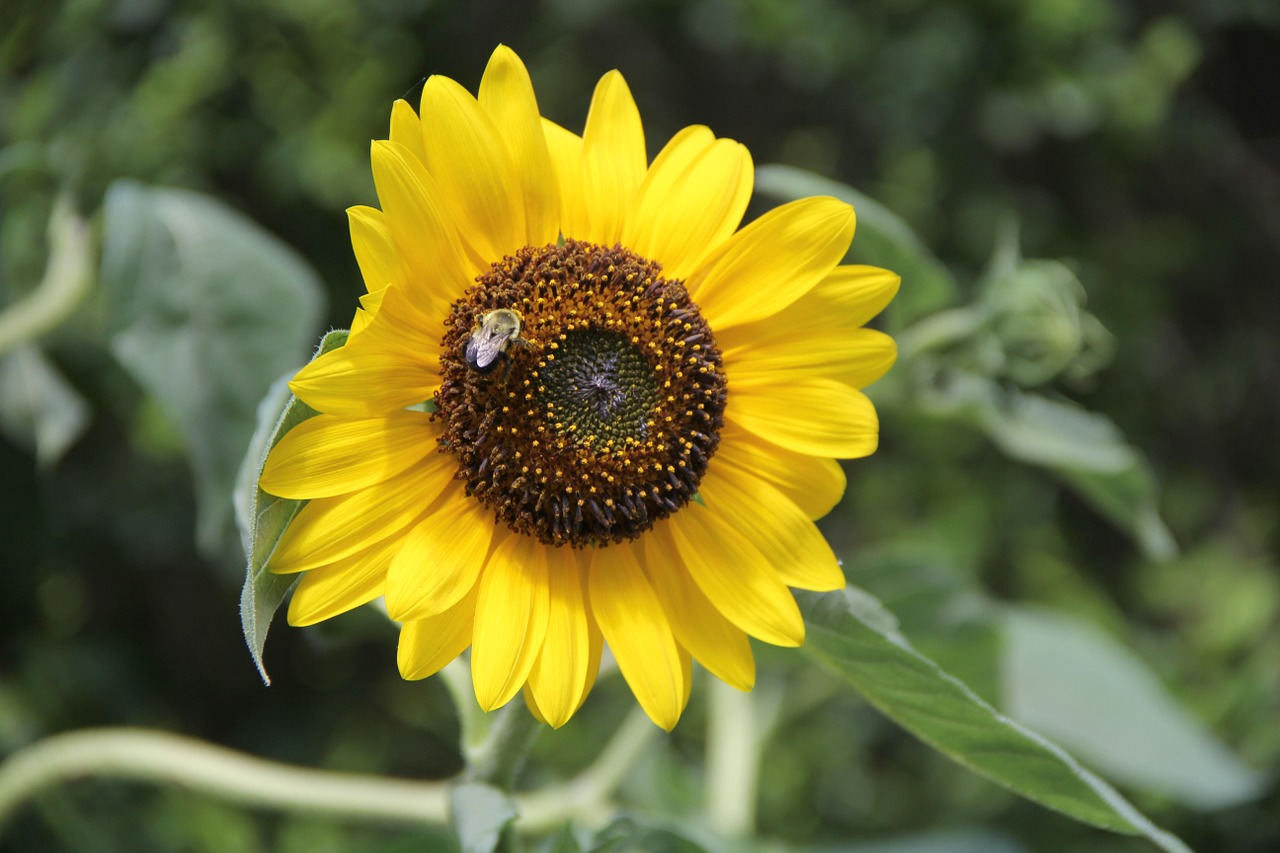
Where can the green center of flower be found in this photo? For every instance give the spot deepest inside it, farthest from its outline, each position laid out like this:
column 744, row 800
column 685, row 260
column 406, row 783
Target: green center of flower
column 592, row 413
column 599, row 389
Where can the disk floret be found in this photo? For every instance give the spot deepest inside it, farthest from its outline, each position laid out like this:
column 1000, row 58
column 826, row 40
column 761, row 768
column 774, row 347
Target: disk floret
column 603, row 420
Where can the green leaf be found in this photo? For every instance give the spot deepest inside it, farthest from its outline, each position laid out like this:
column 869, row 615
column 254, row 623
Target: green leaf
column 1072, row 682
column 205, row 310
column 1085, row 449
column 853, row 635
column 480, row 813
column 563, row 841
column 39, row 409
column 627, row 836
column 882, row 239
column 1130, row 498
column 945, row 841
column 948, row 618
column 261, row 517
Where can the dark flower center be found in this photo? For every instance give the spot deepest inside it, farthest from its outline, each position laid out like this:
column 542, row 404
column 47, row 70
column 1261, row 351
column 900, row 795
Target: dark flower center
column 601, row 411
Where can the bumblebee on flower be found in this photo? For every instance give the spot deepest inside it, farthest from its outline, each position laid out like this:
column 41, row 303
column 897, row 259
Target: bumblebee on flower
column 497, row 330
column 644, row 468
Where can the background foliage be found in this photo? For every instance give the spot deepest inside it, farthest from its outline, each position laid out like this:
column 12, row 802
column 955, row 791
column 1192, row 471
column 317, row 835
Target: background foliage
column 1019, row 540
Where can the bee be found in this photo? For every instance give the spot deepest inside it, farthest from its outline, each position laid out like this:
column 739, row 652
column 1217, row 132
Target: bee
column 498, row 329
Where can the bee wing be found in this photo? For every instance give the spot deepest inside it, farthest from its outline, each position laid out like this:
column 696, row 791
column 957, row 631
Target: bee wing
column 485, row 346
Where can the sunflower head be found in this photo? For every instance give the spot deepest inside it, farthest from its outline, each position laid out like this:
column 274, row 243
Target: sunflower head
column 634, row 405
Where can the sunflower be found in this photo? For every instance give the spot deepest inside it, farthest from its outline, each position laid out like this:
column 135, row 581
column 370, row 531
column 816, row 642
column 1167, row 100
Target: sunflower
column 578, row 405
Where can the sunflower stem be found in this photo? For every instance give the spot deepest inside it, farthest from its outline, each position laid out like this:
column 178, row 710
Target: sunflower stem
column 499, row 758
column 941, row 330
column 733, row 761
column 169, row 759
column 472, row 721
column 587, row 797
column 496, row 761
column 153, row 756
column 67, row 280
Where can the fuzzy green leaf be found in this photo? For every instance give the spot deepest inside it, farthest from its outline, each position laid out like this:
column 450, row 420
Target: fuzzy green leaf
column 562, row 842
column 262, row 518
column 1072, row 682
column 204, row 310
column 1085, row 449
column 480, row 813
column 626, row 835
column 39, row 408
column 854, row 636
column 942, row 841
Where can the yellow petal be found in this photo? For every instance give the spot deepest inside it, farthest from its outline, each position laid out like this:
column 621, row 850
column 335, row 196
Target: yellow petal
column 531, row 702
column 736, row 577
column 338, row 587
column 329, row 529
column 773, row 261
column 511, row 619
column 636, row 629
column 774, row 526
column 422, row 226
column 375, row 251
column 686, row 678
column 360, row 321
column 469, row 161
column 329, row 455
column 781, row 353
column 815, row 483
column 506, row 94
column 559, row 678
column 440, row 558
column 692, row 199
column 854, row 293
column 390, row 364
column 662, row 179
column 717, row 643
column 595, row 639
column 373, row 300
column 364, row 382
column 613, row 157
column 410, row 325
column 428, row 645
column 817, row 416
column 369, row 304
column 565, row 150
column 406, row 129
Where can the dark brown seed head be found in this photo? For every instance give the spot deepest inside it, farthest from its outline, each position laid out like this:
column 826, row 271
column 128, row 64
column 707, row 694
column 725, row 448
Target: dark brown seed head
column 602, row 421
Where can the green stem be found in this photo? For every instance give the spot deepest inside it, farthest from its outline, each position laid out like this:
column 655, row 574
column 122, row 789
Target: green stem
column 66, row 280
column 941, row 330
column 162, row 757
column 586, row 798
column 498, row 759
column 733, row 761
column 472, row 722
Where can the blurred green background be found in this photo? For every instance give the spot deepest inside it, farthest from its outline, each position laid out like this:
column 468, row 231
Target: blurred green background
column 1135, row 144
